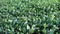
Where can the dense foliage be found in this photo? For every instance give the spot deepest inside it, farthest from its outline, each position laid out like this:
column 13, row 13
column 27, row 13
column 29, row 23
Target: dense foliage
column 29, row 16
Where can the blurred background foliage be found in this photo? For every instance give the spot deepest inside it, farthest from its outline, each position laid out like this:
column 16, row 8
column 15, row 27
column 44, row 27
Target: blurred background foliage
column 29, row 16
